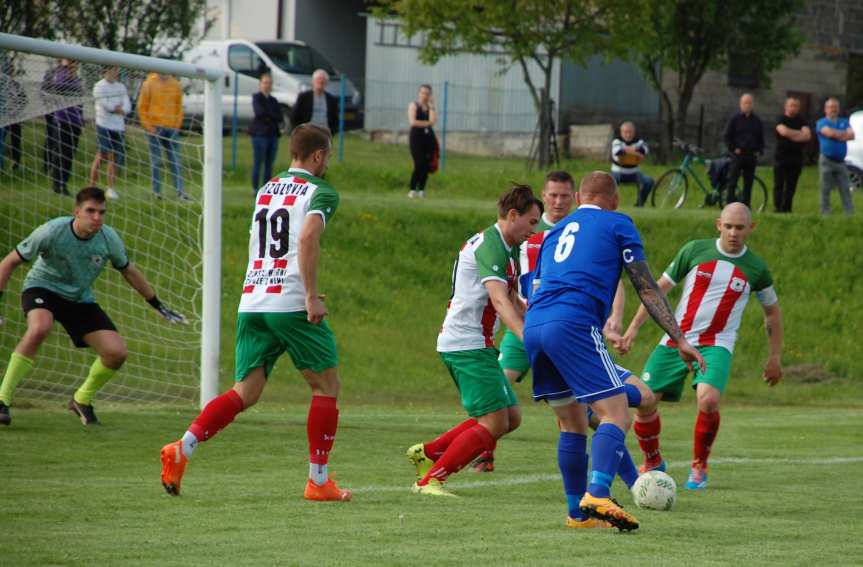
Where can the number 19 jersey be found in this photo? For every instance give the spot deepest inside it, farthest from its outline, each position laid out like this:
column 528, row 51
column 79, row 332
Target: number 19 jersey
column 273, row 283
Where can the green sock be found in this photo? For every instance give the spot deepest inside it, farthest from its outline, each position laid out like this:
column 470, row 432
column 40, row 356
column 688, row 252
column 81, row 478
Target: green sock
column 19, row 367
column 98, row 377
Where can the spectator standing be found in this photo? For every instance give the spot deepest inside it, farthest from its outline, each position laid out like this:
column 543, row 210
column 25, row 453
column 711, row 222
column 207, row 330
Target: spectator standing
column 13, row 99
column 160, row 110
column 112, row 106
column 792, row 135
column 627, row 153
column 264, row 130
column 833, row 134
column 67, row 122
column 421, row 117
column 744, row 136
column 317, row 105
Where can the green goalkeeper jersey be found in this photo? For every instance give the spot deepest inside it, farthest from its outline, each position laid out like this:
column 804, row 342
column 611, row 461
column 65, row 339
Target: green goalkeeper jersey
column 67, row 264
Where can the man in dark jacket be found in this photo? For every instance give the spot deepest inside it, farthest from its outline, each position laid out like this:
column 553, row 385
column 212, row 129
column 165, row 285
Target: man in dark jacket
column 317, row 106
column 744, row 136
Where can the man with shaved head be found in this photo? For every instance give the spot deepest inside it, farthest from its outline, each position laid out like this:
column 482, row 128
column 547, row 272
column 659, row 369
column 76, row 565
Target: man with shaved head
column 718, row 276
column 569, row 299
column 744, row 136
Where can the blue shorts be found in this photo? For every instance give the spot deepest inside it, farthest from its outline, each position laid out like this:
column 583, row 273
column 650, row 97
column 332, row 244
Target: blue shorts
column 571, row 360
column 112, row 142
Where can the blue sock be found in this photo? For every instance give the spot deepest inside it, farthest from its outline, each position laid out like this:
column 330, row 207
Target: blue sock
column 607, row 450
column 627, row 471
column 633, row 395
column 572, row 459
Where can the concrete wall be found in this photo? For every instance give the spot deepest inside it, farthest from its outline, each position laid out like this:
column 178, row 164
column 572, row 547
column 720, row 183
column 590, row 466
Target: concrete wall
column 337, row 29
column 238, row 19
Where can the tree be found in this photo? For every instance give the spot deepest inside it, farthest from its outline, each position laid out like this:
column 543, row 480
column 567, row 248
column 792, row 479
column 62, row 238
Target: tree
column 32, row 18
column 690, row 37
column 525, row 31
column 146, row 27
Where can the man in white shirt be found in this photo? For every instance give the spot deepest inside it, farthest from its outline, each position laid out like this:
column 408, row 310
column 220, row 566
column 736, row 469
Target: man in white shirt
column 112, row 106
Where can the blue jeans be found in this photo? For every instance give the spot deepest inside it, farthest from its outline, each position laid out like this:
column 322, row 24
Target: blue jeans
column 165, row 138
column 644, row 182
column 264, row 149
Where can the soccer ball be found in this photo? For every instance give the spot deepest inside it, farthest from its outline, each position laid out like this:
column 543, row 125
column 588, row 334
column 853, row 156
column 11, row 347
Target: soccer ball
column 654, row 490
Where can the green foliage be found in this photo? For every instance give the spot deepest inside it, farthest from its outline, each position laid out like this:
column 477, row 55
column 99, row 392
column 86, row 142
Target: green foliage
column 81, row 497
column 690, row 37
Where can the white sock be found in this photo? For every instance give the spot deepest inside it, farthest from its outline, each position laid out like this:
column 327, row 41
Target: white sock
column 189, row 444
column 318, row 473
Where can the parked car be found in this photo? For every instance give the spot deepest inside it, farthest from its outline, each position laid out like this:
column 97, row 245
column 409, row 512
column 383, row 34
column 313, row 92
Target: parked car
column 291, row 64
column 854, row 158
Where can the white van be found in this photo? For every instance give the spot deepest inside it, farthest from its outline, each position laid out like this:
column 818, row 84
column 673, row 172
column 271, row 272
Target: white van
column 291, row 64
column 854, row 157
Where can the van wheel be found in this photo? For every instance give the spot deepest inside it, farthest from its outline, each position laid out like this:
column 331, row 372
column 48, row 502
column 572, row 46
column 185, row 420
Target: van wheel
column 286, row 119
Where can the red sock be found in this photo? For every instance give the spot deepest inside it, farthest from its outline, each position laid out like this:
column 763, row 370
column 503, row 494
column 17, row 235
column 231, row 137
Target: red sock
column 434, row 449
column 217, row 415
column 706, row 428
column 321, row 428
column 463, row 449
column 647, row 431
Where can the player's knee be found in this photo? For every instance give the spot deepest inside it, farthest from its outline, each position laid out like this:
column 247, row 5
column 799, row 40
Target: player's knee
column 514, row 417
column 115, row 357
column 708, row 402
column 648, row 399
column 37, row 332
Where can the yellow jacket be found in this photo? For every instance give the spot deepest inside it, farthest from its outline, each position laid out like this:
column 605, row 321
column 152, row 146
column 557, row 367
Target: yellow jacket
column 160, row 103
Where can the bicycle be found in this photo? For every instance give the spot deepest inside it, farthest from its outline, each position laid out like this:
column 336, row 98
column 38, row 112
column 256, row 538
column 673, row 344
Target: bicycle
column 671, row 189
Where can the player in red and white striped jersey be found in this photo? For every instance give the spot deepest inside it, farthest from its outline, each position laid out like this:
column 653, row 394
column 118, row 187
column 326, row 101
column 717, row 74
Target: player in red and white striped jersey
column 718, row 276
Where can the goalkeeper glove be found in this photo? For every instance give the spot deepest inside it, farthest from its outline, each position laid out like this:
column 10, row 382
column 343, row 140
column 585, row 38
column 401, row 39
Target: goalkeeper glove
column 168, row 314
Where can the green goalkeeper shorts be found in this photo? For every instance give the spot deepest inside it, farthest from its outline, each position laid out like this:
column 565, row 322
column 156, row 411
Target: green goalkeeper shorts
column 512, row 354
column 665, row 372
column 480, row 381
column 263, row 337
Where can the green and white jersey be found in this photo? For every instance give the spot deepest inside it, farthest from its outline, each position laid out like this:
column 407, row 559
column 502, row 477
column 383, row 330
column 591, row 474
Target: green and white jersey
column 716, row 288
column 471, row 320
column 273, row 283
column 67, row 264
column 529, row 250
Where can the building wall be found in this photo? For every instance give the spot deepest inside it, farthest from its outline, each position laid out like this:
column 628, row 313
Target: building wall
column 337, row 29
column 483, row 95
column 834, row 36
column 605, row 91
column 238, row 19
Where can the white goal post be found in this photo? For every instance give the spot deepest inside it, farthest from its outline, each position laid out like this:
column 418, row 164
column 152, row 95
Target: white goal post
column 210, row 195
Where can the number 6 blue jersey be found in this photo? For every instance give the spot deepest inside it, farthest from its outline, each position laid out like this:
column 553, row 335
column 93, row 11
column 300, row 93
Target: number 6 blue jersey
column 579, row 266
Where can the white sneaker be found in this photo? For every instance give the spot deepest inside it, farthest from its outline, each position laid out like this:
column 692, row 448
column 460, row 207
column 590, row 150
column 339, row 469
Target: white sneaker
column 421, row 194
column 111, row 194
column 412, row 194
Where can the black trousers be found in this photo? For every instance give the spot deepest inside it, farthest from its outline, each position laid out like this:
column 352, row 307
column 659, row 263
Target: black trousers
column 64, row 153
column 785, row 176
column 743, row 164
column 422, row 148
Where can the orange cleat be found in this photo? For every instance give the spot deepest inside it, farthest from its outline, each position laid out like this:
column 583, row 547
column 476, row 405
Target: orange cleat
column 329, row 491
column 173, row 467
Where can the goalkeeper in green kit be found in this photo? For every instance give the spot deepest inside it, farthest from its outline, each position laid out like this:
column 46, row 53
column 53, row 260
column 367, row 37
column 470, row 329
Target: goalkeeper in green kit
column 68, row 254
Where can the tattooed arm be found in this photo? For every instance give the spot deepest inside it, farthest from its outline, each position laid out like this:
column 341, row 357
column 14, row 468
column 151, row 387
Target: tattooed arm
column 657, row 306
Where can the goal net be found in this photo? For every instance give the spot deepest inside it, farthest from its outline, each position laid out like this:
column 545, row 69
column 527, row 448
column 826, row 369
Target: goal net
column 66, row 124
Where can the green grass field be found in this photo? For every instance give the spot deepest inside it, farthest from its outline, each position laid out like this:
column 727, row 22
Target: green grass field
column 783, row 491
column 784, row 484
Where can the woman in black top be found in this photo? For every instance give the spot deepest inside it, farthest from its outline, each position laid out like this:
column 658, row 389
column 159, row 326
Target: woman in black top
column 264, row 131
column 421, row 116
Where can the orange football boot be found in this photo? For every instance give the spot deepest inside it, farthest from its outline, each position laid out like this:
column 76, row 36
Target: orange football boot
column 329, row 491
column 173, row 467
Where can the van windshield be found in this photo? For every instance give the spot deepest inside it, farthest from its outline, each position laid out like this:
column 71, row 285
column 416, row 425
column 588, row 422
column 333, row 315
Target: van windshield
column 297, row 59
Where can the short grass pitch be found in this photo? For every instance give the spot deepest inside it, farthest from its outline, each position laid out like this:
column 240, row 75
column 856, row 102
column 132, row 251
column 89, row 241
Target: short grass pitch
column 784, row 490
